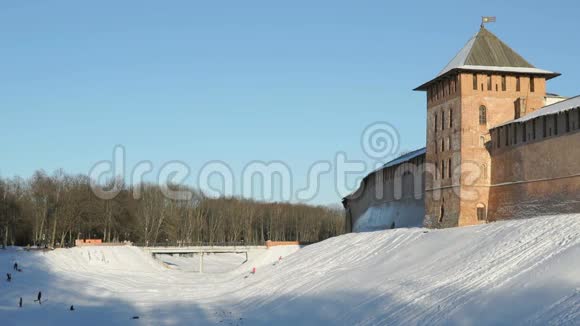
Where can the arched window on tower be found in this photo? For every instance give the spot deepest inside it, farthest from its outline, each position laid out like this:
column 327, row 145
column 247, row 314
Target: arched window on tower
column 482, row 115
column 481, row 212
column 484, row 173
column 450, row 117
column 450, row 172
column 442, row 211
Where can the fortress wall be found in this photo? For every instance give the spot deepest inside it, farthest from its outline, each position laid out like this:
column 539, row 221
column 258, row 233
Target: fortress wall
column 384, row 201
column 536, row 178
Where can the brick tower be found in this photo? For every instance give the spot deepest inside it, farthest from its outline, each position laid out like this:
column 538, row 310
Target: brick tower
column 485, row 84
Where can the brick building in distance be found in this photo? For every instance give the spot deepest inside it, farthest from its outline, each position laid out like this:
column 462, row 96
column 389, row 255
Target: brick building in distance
column 498, row 147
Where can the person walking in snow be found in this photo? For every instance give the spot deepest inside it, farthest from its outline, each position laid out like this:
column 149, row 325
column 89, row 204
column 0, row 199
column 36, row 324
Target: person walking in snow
column 8, row 277
column 252, row 272
column 20, row 303
column 39, row 297
column 15, row 266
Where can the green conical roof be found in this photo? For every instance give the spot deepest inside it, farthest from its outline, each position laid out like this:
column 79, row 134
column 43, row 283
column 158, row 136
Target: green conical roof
column 486, row 49
column 486, row 52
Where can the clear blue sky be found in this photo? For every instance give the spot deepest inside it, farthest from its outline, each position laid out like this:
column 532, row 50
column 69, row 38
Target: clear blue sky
column 239, row 81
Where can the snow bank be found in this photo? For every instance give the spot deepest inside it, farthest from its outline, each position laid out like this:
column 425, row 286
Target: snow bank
column 405, row 213
column 515, row 272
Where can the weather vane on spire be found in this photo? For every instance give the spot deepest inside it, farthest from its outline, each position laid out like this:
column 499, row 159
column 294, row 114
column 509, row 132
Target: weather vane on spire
column 487, row 19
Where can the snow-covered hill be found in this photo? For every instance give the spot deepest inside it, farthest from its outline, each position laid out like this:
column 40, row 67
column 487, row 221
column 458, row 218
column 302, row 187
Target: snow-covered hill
column 516, row 272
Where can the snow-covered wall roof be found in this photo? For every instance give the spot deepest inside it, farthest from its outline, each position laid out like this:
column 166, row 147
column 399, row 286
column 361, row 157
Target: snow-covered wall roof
column 405, row 157
column 399, row 160
column 559, row 107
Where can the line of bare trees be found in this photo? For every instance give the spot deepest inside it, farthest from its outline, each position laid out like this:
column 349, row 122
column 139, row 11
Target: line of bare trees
column 54, row 210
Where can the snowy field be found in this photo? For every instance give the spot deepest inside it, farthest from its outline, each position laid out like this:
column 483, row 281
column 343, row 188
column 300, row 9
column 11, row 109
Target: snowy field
column 507, row 273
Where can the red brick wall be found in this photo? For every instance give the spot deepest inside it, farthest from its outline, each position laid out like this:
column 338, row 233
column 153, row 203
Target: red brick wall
column 88, row 242
column 281, row 243
column 537, row 177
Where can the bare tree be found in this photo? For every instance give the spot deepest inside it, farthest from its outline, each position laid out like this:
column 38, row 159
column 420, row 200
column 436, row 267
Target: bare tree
column 55, row 210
